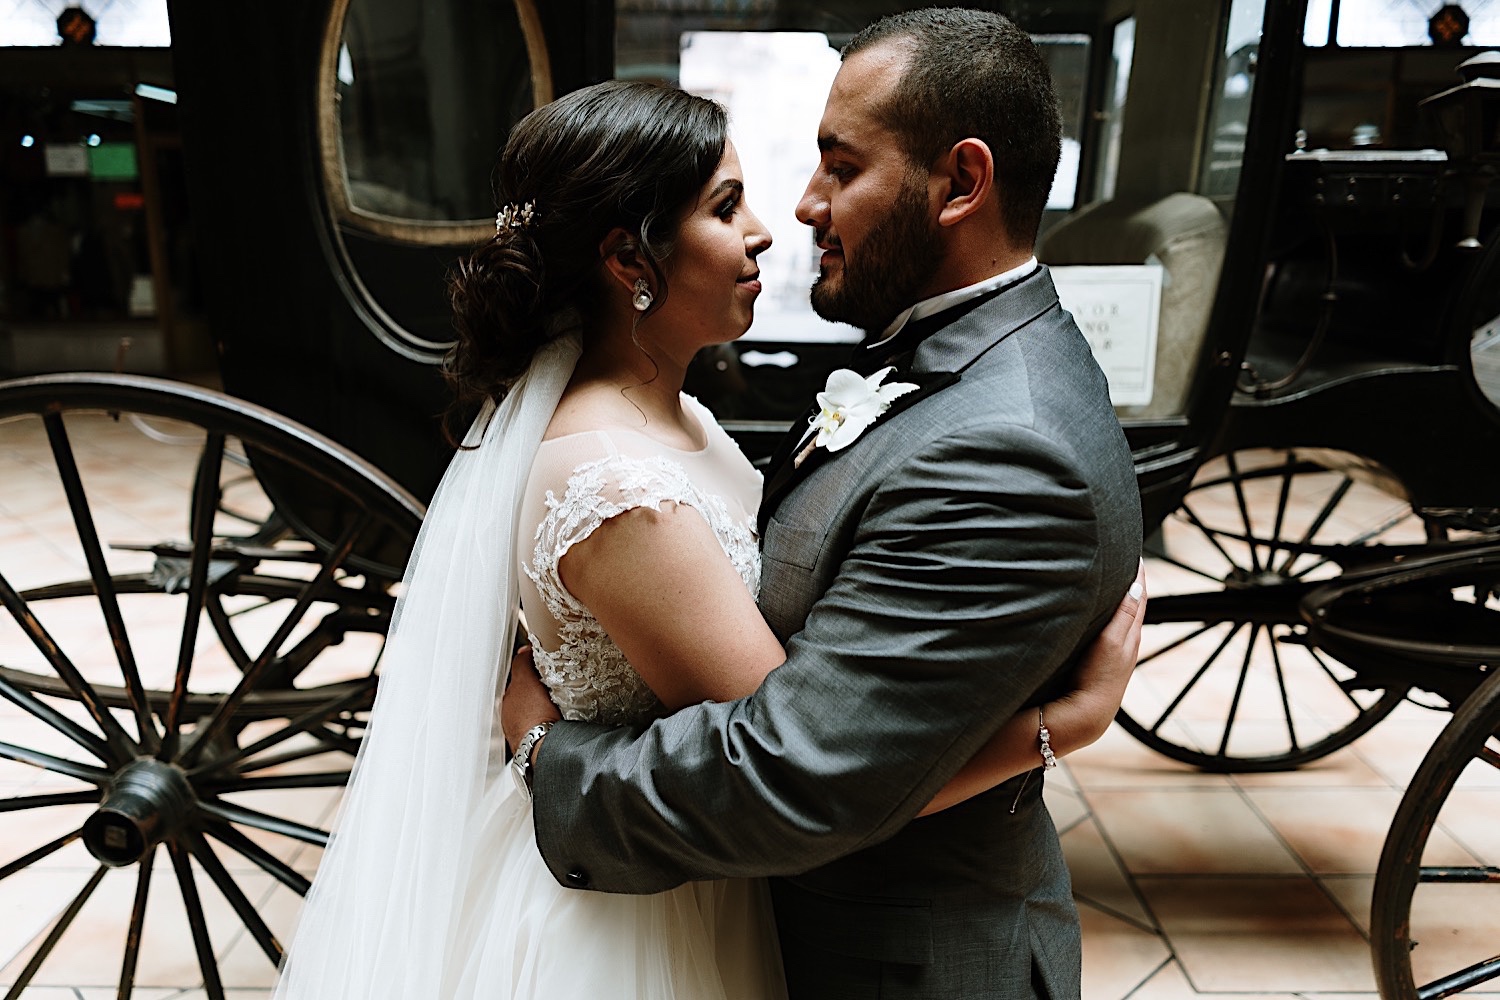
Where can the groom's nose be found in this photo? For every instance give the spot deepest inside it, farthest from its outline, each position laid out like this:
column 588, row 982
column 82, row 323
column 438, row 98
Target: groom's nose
column 812, row 210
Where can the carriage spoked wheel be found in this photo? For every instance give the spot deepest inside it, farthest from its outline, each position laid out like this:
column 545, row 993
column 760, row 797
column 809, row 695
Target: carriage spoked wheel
column 196, row 593
column 1228, row 679
column 1434, row 922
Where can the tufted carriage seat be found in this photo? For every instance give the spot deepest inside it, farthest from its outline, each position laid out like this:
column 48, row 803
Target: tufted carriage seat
column 1182, row 232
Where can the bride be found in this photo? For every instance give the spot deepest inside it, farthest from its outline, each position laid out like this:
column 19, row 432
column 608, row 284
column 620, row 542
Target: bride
column 624, row 245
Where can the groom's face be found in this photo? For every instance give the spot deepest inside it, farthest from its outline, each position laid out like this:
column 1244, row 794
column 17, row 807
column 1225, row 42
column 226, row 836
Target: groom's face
column 872, row 210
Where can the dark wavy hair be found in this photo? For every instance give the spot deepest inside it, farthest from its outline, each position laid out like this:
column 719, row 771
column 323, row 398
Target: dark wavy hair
column 974, row 74
column 617, row 154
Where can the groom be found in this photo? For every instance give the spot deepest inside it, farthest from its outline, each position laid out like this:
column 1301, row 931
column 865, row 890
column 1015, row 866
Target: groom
column 928, row 580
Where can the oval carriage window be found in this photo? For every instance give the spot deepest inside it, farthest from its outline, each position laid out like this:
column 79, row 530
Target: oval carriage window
column 417, row 97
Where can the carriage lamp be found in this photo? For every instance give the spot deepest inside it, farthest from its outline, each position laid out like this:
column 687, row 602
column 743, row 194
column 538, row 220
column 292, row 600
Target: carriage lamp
column 1469, row 117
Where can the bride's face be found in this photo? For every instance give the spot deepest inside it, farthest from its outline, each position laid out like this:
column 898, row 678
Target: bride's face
column 712, row 276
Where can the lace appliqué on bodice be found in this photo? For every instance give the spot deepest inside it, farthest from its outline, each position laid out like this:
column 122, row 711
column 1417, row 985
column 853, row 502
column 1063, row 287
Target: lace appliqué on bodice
column 588, row 676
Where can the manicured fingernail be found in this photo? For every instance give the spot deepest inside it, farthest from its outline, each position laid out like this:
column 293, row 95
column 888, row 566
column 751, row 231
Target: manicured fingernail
column 1136, row 590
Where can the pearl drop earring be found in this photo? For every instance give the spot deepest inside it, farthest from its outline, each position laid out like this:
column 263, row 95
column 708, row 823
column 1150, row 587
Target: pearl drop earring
column 643, row 298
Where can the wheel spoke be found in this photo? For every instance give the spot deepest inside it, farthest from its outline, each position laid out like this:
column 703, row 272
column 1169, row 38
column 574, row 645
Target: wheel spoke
column 265, row 860
column 205, row 500
column 319, row 779
column 1294, row 553
column 231, row 813
column 1283, row 500
column 1484, row 875
column 137, row 923
column 1211, row 535
column 223, row 624
column 93, row 552
column 236, row 898
column 1197, row 677
column 58, row 930
column 49, row 800
column 1489, row 756
column 1361, row 539
column 1286, row 701
column 27, row 860
column 1142, row 661
column 119, row 742
column 30, row 703
column 1239, row 689
column 1239, row 496
column 225, row 711
column 362, row 692
column 196, row 921
column 285, row 757
column 1217, row 580
column 73, row 769
column 1479, row 972
column 1334, row 677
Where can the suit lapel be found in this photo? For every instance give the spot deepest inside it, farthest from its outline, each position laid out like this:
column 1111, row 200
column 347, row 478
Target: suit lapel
column 787, row 475
column 936, row 363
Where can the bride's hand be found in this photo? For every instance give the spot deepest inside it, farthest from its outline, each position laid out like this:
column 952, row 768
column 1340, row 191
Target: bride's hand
column 526, row 702
column 1099, row 682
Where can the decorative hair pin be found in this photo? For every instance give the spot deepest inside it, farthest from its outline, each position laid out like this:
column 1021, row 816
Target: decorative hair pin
column 513, row 216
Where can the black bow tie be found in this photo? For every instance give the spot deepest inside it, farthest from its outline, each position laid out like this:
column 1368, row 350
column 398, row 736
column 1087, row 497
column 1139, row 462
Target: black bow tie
column 871, row 356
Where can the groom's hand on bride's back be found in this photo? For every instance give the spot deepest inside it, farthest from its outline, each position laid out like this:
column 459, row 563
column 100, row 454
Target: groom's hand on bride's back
column 526, row 702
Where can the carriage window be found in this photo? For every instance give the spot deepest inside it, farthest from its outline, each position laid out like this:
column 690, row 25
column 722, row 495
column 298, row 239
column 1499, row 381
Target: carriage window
column 1068, row 61
column 424, row 93
column 1235, row 83
column 1112, row 110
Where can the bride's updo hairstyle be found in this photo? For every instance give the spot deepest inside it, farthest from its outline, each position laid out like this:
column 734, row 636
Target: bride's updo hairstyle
column 617, row 154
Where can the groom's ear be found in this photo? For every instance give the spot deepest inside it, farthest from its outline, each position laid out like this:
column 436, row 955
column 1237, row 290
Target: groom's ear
column 621, row 253
column 965, row 180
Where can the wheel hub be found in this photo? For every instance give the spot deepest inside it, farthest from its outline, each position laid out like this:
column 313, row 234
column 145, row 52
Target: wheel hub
column 1242, row 578
column 147, row 801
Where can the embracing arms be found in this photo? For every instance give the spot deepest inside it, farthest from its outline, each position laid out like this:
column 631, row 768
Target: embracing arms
column 974, row 577
column 659, row 584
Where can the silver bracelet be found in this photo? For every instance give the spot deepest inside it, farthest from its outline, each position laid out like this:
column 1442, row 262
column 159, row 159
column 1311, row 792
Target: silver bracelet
column 1049, row 760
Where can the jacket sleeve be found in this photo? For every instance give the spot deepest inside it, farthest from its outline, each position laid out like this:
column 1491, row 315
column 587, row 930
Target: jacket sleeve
column 973, row 578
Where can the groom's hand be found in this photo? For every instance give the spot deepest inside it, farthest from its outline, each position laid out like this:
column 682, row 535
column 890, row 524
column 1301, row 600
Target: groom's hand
column 525, row 702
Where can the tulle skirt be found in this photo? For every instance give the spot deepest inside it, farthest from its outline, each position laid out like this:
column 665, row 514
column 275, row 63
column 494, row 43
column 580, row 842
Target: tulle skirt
column 524, row 937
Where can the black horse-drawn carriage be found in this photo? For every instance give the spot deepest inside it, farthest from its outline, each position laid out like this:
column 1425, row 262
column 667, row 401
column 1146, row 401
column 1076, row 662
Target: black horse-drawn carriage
column 1310, row 384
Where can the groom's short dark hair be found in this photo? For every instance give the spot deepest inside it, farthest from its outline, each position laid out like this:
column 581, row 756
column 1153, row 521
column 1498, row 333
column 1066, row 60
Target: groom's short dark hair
column 974, row 74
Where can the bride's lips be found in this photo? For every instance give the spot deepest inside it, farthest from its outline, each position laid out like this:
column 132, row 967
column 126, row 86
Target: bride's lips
column 750, row 282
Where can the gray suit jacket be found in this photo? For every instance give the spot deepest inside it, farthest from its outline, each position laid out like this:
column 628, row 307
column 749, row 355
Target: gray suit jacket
column 928, row 581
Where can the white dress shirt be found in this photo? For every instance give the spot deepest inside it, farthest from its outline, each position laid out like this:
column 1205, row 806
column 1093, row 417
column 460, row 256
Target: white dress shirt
column 947, row 300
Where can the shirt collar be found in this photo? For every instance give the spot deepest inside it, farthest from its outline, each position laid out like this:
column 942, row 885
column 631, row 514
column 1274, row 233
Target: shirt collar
column 947, row 300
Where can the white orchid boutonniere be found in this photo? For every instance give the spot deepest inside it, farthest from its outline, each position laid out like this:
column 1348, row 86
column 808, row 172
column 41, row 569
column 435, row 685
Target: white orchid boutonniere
column 850, row 403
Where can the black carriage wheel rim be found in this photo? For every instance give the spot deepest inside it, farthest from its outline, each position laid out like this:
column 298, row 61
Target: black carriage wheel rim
column 160, row 777
column 1238, row 626
column 1472, row 735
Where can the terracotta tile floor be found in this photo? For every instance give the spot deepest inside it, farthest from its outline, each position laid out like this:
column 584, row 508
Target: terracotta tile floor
column 1189, row 884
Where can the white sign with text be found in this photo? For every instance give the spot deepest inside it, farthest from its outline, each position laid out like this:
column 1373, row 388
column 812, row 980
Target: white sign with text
column 1117, row 307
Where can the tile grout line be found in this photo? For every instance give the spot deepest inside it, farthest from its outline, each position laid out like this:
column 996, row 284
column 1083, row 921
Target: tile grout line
column 1130, row 882
column 1301, row 861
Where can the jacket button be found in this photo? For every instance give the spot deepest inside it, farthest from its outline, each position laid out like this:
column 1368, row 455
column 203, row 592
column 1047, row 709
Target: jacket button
column 577, row 878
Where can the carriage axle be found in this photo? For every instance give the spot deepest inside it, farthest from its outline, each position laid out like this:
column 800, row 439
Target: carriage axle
column 146, row 802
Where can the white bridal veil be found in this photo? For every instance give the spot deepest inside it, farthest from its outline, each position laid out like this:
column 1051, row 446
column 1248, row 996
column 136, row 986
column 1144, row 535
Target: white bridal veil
column 384, row 907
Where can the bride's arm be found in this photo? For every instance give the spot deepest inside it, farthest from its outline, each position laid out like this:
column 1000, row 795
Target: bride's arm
column 660, row 585
column 1074, row 721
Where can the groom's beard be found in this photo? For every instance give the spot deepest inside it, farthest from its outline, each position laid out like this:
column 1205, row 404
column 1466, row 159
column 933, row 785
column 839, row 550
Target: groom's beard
column 889, row 267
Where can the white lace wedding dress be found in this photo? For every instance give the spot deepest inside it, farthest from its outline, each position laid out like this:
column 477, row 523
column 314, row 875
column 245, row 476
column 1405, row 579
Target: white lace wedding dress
column 523, row 934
